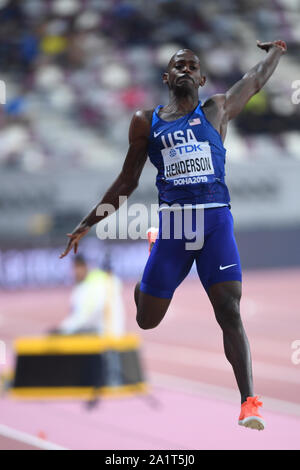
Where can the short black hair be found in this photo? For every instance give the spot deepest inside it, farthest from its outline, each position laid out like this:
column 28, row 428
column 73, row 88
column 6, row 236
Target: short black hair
column 180, row 51
column 79, row 260
column 107, row 261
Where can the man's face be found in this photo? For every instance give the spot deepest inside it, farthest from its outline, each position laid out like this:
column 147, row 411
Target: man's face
column 80, row 272
column 184, row 72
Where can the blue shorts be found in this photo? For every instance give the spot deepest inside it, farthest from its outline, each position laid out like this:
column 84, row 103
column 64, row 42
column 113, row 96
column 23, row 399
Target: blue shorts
column 170, row 261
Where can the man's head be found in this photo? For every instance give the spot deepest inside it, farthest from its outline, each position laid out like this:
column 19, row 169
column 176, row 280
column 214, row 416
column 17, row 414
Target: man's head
column 107, row 262
column 80, row 268
column 184, row 72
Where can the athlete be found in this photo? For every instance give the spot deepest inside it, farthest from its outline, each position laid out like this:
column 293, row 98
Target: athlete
column 184, row 140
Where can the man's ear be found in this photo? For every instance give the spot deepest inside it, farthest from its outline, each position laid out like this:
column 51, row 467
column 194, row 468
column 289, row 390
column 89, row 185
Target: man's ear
column 203, row 80
column 165, row 78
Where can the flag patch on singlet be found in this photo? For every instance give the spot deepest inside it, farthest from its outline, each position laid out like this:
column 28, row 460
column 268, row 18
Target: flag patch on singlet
column 194, row 122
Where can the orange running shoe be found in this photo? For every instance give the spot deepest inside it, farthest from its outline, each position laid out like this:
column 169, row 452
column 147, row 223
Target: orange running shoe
column 250, row 417
column 152, row 233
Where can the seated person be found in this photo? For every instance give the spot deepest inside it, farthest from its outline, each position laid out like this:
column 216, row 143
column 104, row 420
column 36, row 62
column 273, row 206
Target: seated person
column 96, row 302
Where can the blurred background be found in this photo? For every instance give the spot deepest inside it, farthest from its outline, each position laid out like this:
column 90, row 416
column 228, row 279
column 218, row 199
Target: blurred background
column 75, row 72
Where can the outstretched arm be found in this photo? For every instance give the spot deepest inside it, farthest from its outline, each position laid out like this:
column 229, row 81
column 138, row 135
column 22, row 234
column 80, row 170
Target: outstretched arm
column 127, row 180
column 221, row 108
column 239, row 95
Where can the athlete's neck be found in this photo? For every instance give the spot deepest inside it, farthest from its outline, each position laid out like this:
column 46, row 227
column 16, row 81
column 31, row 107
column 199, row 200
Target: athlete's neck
column 181, row 103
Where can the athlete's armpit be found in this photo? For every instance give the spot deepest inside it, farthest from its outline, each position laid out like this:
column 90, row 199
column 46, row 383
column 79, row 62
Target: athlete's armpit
column 214, row 109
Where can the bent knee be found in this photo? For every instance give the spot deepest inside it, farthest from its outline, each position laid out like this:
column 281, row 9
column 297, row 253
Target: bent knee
column 146, row 324
column 151, row 310
column 149, row 319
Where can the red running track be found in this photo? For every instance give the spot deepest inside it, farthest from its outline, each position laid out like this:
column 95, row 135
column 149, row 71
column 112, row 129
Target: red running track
column 194, row 403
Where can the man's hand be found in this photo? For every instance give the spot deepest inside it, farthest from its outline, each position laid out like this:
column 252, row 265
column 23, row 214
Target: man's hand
column 75, row 237
column 266, row 46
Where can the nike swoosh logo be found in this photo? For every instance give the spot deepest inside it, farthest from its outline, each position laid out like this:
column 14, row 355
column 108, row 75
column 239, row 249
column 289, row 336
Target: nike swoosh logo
column 156, row 134
column 226, row 267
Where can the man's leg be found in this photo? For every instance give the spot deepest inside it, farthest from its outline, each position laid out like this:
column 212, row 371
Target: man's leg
column 150, row 310
column 219, row 268
column 167, row 266
column 225, row 298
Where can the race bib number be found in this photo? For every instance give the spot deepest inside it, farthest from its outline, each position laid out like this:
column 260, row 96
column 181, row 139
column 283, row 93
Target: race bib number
column 192, row 160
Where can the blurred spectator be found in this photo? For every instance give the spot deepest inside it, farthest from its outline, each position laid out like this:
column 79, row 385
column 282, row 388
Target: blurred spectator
column 96, row 302
column 79, row 63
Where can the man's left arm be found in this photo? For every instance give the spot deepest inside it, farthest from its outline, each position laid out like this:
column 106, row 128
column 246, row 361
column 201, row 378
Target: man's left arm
column 240, row 93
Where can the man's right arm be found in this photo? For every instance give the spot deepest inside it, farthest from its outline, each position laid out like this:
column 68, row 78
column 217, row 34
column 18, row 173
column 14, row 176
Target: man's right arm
column 126, row 182
column 128, row 179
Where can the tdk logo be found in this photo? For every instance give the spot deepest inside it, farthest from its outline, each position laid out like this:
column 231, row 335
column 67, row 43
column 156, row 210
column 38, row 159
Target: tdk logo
column 183, row 149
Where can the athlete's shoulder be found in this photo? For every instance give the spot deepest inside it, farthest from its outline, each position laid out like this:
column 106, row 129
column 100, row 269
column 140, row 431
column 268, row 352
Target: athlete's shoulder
column 144, row 115
column 141, row 123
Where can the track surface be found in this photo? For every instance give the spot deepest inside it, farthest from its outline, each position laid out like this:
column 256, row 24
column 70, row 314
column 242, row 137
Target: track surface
column 193, row 402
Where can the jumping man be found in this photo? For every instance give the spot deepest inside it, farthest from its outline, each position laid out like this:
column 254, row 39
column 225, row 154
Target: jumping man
column 184, row 140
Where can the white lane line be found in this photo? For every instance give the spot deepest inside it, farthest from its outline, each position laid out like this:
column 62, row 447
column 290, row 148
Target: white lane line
column 217, row 361
column 203, row 389
column 28, row 439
